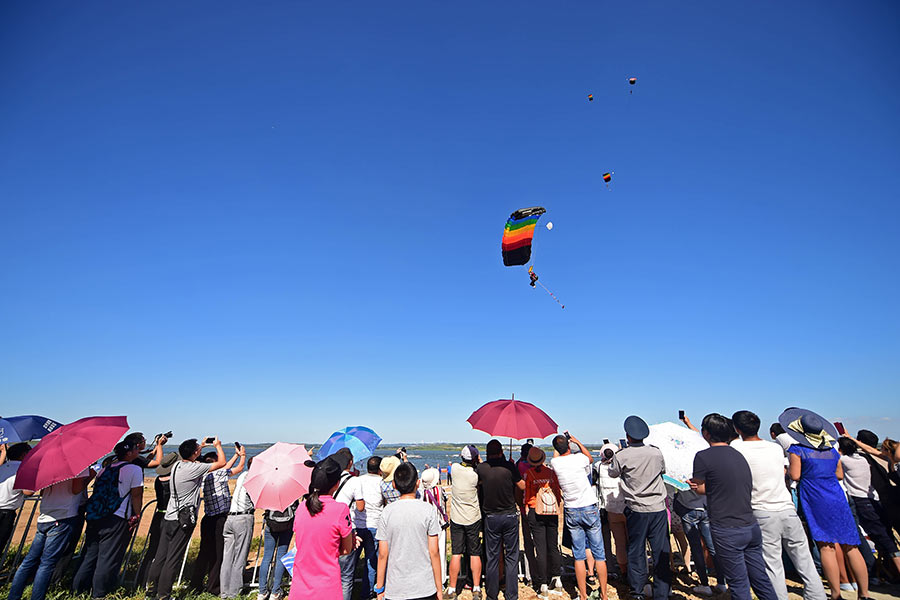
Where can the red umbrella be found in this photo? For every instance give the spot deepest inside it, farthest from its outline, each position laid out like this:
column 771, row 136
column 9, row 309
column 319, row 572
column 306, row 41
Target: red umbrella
column 67, row 451
column 278, row 476
column 514, row 419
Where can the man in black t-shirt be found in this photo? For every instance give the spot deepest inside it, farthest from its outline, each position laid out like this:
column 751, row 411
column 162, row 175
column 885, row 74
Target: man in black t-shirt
column 722, row 473
column 498, row 479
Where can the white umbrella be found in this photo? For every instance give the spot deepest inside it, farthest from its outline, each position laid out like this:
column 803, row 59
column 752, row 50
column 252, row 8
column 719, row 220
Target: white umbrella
column 678, row 445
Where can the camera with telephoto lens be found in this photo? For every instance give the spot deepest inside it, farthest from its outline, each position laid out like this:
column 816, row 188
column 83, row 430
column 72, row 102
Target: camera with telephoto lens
column 159, row 435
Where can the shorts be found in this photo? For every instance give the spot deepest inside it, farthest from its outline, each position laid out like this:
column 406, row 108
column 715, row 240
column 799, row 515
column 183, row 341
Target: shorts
column 584, row 526
column 465, row 538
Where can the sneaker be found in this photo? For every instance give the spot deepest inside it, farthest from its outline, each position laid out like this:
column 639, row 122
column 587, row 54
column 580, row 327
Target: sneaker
column 591, row 580
column 449, row 594
column 702, row 590
column 720, row 588
column 277, row 595
column 476, row 594
column 262, row 596
column 557, row 582
column 846, row 587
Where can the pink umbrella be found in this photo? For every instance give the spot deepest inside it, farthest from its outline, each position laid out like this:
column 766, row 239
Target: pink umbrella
column 68, row 450
column 514, row 419
column 278, row 476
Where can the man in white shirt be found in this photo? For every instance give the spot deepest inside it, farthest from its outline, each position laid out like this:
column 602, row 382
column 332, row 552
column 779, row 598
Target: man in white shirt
column 238, row 533
column 774, row 510
column 109, row 525
column 368, row 504
column 55, row 527
column 580, row 510
column 11, row 500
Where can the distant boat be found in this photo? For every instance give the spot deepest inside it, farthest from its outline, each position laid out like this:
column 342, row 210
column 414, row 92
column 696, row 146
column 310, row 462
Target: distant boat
column 413, row 456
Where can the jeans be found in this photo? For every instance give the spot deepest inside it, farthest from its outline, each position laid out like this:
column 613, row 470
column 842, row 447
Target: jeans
column 50, row 541
column 650, row 527
column 874, row 520
column 696, row 528
column 273, row 544
column 584, row 525
column 544, row 532
column 348, row 572
column 101, row 557
column 369, row 547
column 501, row 532
column 739, row 550
column 782, row 531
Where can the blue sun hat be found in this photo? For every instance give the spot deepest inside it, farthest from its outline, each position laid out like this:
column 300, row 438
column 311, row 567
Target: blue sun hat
column 808, row 428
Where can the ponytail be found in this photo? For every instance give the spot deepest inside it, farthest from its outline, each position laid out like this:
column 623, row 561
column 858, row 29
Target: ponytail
column 313, row 504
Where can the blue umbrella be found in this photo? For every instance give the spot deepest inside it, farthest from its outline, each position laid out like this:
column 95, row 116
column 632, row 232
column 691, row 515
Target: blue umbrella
column 25, row 428
column 361, row 441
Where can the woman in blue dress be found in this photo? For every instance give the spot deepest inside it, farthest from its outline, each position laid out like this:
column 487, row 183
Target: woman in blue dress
column 816, row 466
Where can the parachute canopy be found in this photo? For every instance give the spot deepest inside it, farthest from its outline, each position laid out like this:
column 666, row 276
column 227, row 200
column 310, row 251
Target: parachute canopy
column 607, row 177
column 632, row 80
column 590, row 97
column 518, row 233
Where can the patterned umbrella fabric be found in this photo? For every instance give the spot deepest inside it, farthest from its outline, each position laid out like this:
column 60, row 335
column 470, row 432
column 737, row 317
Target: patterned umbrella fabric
column 678, row 445
column 278, row 476
column 68, row 450
column 514, row 419
column 25, row 428
column 361, row 441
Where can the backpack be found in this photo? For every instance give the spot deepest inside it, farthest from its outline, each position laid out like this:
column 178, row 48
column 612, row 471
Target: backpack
column 106, row 499
column 546, row 504
column 280, row 521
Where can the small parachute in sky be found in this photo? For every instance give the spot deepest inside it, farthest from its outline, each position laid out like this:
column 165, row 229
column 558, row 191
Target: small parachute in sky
column 607, row 177
column 590, row 97
column 549, row 225
column 518, row 233
column 631, row 81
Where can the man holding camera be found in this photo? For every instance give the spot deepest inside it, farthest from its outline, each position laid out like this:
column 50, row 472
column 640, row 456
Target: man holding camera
column 181, row 514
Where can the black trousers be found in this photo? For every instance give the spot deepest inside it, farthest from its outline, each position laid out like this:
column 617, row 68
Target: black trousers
column 104, row 548
column 652, row 527
column 7, row 520
column 173, row 541
column 212, row 549
column 501, row 534
column 152, row 544
column 544, row 532
column 874, row 520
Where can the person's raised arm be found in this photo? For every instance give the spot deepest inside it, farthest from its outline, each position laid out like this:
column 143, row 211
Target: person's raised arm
column 688, row 424
column 157, row 452
column 383, row 551
column 868, row 449
column 220, row 456
column 584, row 449
column 435, row 553
column 241, row 463
column 795, row 467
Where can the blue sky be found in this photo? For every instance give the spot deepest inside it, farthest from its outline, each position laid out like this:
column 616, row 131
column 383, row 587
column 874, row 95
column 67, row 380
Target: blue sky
column 272, row 220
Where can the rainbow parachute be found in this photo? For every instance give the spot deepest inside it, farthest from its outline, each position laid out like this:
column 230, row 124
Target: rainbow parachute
column 518, row 233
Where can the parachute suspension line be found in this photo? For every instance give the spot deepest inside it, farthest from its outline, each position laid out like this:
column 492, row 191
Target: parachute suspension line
column 552, row 295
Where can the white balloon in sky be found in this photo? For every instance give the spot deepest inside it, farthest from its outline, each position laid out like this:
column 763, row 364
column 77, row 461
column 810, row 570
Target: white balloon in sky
column 549, row 225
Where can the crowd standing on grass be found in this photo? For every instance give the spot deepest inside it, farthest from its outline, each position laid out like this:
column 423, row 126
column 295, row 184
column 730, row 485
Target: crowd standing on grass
column 811, row 502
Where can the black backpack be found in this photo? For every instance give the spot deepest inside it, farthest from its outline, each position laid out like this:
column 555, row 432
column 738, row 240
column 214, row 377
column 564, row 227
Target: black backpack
column 106, row 499
column 280, row 521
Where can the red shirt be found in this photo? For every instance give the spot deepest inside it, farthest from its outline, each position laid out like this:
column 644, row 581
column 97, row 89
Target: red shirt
column 535, row 480
column 317, row 573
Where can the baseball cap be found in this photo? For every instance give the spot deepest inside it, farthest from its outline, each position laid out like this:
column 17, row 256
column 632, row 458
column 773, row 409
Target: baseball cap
column 468, row 453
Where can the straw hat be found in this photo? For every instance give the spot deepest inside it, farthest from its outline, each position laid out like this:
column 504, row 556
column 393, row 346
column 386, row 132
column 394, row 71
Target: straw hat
column 387, row 467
